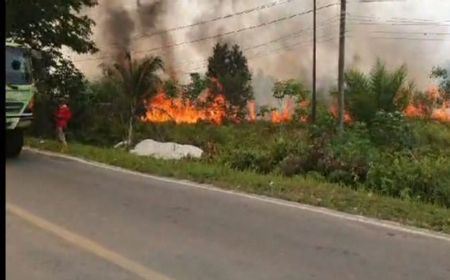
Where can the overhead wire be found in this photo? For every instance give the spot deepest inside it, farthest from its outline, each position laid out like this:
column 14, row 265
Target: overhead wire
column 216, row 36
column 216, row 19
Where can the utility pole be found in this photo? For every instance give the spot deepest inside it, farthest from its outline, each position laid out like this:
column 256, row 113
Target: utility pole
column 314, row 101
column 341, row 64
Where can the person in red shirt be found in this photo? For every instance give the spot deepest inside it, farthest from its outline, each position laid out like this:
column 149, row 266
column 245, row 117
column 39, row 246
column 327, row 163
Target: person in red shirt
column 63, row 116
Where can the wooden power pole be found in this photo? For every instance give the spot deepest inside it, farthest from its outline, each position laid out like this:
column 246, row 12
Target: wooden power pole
column 314, row 98
column 341, row 64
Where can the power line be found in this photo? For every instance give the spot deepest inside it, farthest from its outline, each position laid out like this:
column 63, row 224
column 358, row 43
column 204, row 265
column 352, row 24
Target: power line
column 178, row 28
column 233, row 32
column 323, row 39
column 279, row 50
column 410, row 38
column 325, row 23
column 398, row 19
column 425, row 33
column 216, row 36
column 244, row 12
column 377, row 21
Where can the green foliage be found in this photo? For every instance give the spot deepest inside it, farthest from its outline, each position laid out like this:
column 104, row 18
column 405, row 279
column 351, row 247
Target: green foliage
column 248, row 159
column 47, row 26
column 50, row 24
column 362, row 157
column 402, row 175
column 103, row 103
column 442, row 75
column 310, row 189
column 171, row 88
column 137, row 81
column 290, row 88
column 197, row 85
column 229, row 66
column 381, row 90
column 432, row 134
column 294, row 165
column 348, row 156
column 324, row 126
column 391, row 130
column 44, row 111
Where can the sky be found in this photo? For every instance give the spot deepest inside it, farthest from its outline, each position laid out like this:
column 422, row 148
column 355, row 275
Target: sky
column 411, row 32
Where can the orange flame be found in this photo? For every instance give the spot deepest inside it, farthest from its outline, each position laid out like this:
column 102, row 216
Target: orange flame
column 438, row 110
column 334, row 111
column 442, row 114
column 286, row 114
column 415, row 111
column 164, row 109
column 251, row 107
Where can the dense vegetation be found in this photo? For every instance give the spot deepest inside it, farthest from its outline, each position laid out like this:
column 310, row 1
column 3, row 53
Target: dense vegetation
column 393, row 156
column 380, row 151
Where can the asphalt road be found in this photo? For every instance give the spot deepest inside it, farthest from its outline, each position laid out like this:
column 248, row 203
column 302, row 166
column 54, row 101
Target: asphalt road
column 69, row 220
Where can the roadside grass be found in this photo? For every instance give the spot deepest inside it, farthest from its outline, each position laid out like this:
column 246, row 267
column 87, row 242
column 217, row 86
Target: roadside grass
column 305, row 190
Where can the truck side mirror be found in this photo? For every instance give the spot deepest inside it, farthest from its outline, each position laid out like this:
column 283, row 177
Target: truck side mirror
column 15, row 65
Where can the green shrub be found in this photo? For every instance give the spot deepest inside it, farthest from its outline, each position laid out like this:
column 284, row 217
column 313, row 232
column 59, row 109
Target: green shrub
column 391, row 129
column 347, row 158
column 402, row 175
column 366, row 94
column 248, row 159
column 429, row 133
column 297, row 161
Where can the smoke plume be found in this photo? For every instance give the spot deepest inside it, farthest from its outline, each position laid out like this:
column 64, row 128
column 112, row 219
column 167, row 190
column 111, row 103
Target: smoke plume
column 409, row 39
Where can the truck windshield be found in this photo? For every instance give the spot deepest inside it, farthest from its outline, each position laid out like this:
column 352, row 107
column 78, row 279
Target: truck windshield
column 17, row 70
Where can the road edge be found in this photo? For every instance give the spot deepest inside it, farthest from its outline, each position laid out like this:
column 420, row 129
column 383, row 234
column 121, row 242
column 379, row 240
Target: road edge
column 314, row 209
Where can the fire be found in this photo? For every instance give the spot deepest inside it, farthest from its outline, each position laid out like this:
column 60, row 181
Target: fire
column 413, row 111
column 438, row 109
column 251, row 107
column 165, row 109
column 442, row 114
column 216, row 109
column 286, row 114
column 334, row 110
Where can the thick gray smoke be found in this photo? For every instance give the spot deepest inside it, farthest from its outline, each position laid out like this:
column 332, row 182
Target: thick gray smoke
column 149, row 15
column 118, row 27
column 396, row 42
column 120, row 21
column 121, row 28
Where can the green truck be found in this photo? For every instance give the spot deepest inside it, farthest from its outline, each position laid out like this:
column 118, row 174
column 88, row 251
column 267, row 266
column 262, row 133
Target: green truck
column 20, row 92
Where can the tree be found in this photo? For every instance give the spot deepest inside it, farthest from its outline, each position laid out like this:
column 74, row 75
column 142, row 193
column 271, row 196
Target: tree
column 380, row 90
column 293, row 90
column 197, row 85
column 137, row 81
column 229, row 67
column 290, row 88
column 47, row 26
column 444, row 85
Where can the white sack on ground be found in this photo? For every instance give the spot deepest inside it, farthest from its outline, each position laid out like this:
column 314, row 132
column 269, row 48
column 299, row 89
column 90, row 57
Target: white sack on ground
column 167, row 150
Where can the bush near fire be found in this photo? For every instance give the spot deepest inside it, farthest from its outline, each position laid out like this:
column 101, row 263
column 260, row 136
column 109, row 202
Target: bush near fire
column 396, row 141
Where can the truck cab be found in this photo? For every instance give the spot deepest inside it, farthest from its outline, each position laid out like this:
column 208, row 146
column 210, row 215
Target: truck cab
column 20, row 91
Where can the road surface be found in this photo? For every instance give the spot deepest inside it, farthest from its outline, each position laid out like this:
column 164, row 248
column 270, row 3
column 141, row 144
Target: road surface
column 69, row 220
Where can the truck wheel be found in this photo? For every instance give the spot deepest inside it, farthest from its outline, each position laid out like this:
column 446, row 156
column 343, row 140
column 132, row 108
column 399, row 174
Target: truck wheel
column 14, row 142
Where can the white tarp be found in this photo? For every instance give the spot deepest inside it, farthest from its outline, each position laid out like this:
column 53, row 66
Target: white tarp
column 167, row 150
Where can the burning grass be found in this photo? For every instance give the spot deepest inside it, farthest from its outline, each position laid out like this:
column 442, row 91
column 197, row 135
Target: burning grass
column 432, row 105
column 215, row 109
column 179, row 110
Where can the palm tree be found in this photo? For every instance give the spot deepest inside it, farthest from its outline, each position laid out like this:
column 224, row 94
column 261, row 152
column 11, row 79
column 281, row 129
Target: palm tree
column 380, row 90
column 137, row 80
